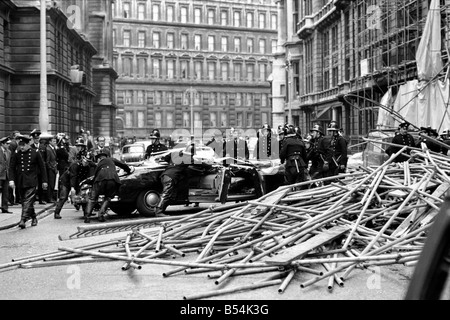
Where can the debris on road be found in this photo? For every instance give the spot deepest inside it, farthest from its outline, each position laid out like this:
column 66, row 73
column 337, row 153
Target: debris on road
column 368, row 217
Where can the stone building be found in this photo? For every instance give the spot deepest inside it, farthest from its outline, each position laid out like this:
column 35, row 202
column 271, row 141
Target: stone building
column 206, row 60
column 80, row 78
column 344, row 56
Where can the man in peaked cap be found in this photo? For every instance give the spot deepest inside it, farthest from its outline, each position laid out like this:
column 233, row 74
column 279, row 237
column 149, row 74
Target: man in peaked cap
column 5, row 157
column 333, row 150
column 156, row 145
column 401, row 139
column 315, row 171
column 24, row 169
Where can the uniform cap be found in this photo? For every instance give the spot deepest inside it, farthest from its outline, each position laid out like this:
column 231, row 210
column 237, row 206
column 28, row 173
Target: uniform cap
column 22, row 138
column 333, row 127
column 155, row 134
column 80, row 142
column 317, row 128
column 35, row 133
column 5, row 140
column 404, row 125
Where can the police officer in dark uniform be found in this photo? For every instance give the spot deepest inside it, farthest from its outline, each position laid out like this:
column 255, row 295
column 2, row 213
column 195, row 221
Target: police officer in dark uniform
column 403, row 138
column 24, row 167
column 333, row 150
column 317, row 135
column 39, row 145
column 431, row 145
column 174, row 178
column 106, row 182
column 293, row 152
column 156, row 145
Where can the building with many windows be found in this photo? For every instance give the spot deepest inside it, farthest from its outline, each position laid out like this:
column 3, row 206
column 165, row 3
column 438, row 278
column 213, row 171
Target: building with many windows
column 194, row 63
column 338, row 58
column 80, row 78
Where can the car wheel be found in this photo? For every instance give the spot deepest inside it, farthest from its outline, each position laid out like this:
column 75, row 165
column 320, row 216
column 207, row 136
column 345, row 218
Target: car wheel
column 122, row 209
column 146, row 202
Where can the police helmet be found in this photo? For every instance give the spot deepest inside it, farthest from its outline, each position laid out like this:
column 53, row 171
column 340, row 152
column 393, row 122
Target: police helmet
column 155, row 134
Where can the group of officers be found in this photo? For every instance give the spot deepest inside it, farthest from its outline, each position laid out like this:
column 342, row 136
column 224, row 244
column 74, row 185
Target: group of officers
column 32, row 165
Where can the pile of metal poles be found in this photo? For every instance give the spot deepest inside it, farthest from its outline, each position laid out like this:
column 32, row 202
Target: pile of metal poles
column 370, row 217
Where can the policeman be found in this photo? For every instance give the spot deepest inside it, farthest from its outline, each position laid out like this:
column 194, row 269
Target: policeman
column 431, row 145
column 51, row 164
column 333, row 150
column 106, row 182
column 24, row 167
column 293, row 152
column 173, row 179
column 401, row 139
column 316, row 169
column 5, row 158
column 39, row 145
column 83, row 171
column 155, row 145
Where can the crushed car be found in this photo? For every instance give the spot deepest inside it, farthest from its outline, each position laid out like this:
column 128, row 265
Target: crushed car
column 209, row 180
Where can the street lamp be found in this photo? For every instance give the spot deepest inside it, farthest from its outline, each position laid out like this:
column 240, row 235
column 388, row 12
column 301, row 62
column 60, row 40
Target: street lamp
column 191, row 92
column 290, row 86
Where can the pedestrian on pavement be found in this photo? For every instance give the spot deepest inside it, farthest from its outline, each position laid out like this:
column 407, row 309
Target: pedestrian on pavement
column 106, row 182
column 155, row 144
column 24, row 167
column 51, row 166
column 402, row 139
column 5, row 158
column 293, row 154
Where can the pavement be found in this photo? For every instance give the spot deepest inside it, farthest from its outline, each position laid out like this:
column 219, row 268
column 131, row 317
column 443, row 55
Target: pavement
column 9, row 220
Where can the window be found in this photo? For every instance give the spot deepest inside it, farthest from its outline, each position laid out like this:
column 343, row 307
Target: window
column 128, row 97
column 212, row 99
column 170, row 69
column 141, row 119
column 169, row 120
column 249, row 121
column 197, row 119
column 156, row 40
column 249, row 45
column 264, row 118
column 158, row 97
column 170, row 13
column 237, row 19
column 238, row 99
column 249, row 19
column 127, row 66
column 129, row 119
column 127, row 38
column 197, row 15
column 249, row 100
column 184, row 69
column 197, row 98
column 186, row 118
column 223, row 119
column 223, row 99
column 198, row 42
column 169, row 98
column 262, row 46
column 155, row 12
column 156, row 68
column 223, row 18
column 211, row 43
column 140, row 97
column 184, row 14
column 239, row 119
column 170, row 40
column 198, row 70
column 250, row 72
column 264, row 101
column 274, row 45
column 141, row 39
column 224, row 71
column 158, row 119
column 237, row 44
column 142, row 67
column 211, row 70
column 184, row 42
column 263, row 72
column 213, row 119
column 211, row 16
column 141, row 11
column 273, row 22
column 262, row 20
column 237, row 71
column 224, row 44
column 126, row 10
